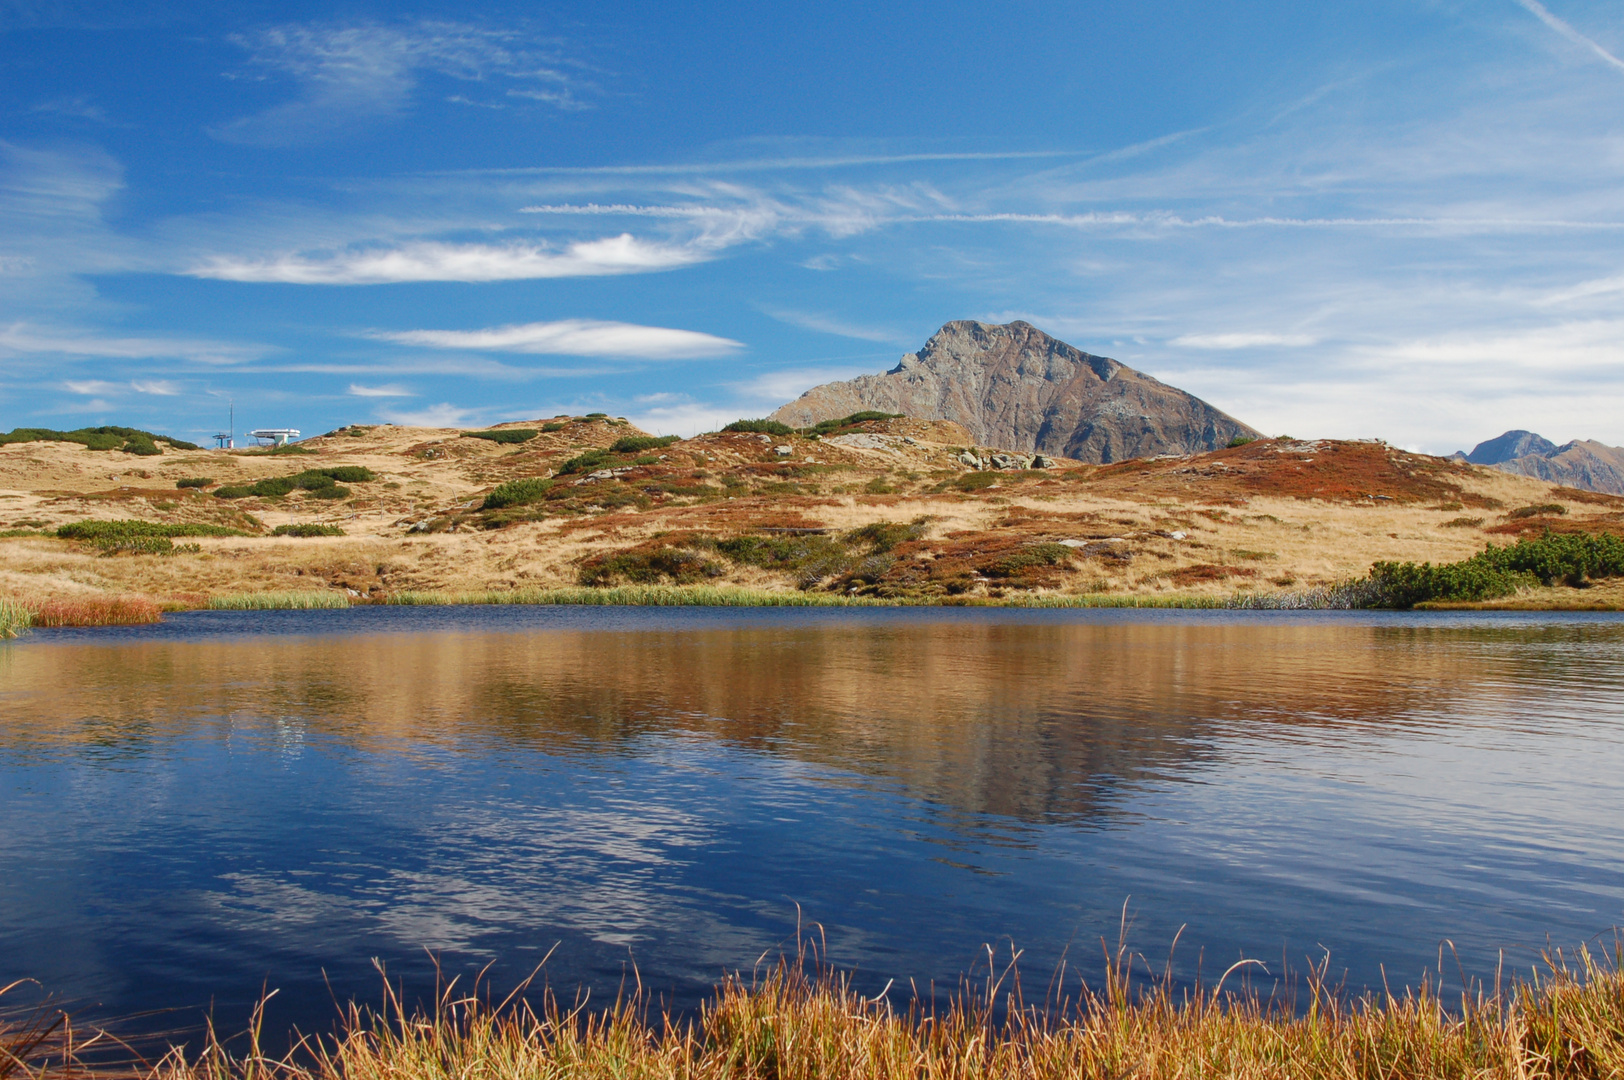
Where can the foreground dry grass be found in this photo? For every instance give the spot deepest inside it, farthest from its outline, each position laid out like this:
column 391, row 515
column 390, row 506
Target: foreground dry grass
column 1566, row 1020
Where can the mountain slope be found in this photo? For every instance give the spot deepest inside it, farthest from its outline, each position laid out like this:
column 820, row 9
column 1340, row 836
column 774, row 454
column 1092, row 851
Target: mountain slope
column 1014, row 386
column 1584, row 464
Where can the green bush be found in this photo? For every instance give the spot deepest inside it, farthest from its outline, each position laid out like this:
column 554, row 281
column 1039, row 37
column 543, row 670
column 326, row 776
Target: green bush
column 597, row 416
column 130, row 440
column 556, row 425
column 1239, row 440
column 1570, row 558
column 505, row 435
column 126, row 529
column 321, row 483
column 517, row 493
column 885, row 535
column 308, row 528
column 589, row 461
column 633, row 444
column 760, row 427
column 829, row 426
column 680, row 565
column 1542, row 510
column 195, row 482
column 976, row 481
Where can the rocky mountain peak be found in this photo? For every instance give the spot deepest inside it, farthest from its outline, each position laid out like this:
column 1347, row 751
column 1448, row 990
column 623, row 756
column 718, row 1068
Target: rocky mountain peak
column 1015, row 387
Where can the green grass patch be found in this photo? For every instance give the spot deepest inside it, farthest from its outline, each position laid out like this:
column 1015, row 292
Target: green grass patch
column 280, row 601
column 308, row 528
column 518, row 493
column 14, row 619
column 504, row 435
column 195, row 482
column 636, row 444
column 130, row 529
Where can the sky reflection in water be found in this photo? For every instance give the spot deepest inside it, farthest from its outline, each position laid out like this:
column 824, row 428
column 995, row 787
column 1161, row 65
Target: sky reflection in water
column 230, row 800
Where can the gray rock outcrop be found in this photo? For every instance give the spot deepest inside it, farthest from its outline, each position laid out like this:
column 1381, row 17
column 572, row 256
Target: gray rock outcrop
column 1016, row 388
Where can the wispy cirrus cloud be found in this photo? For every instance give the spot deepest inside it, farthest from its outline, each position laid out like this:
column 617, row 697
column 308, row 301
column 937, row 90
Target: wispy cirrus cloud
column 1565, row 28
column 434, row 261
column 444, row 414
column 387, row 390
column 349, row 74
column 825, row 323
column 1243, row 340
column 20, row 339
column 575, row 337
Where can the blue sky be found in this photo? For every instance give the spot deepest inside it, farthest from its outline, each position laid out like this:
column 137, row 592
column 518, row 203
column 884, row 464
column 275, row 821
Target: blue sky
column 1394, row 219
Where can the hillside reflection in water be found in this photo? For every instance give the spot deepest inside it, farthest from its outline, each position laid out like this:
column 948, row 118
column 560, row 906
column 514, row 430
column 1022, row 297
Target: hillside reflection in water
column 191, row 811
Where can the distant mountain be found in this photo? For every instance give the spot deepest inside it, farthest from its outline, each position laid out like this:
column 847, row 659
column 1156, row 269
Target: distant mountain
column 1585, row 464
column 1015, row 387
column 1510, row 446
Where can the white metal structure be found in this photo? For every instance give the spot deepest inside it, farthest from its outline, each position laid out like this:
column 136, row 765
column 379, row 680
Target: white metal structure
column 276, row 436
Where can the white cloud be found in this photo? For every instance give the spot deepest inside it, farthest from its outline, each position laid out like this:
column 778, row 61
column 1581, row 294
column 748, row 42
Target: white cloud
column 91, row 386
column 623, row 254
column 576, row 337
column 349, row 74
column 157, row 387
column 442, row 415
column 387, row 390
column 825, row 323
column 685, row 419
column 19, row 339
column 1563, row 27
column 787, row 384
column 1242, row 340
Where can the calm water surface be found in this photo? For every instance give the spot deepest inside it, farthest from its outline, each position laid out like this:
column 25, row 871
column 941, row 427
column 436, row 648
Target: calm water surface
column 229, row 800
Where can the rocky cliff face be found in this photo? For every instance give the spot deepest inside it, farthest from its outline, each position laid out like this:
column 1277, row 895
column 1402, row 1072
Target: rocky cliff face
column 1585, row 463
column 1016, row 388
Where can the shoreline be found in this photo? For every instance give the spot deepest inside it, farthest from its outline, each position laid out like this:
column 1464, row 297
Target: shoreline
column 1563, row 1019
column 19, row 617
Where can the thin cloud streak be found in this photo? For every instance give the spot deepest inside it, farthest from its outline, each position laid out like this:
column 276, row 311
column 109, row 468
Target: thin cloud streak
column 21, row 340
column 1242, row 340
column 1561, row 26
column 623, row 254
column 576, row 337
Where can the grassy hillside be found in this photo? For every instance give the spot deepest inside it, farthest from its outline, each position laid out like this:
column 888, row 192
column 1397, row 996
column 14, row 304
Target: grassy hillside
column 880, row 509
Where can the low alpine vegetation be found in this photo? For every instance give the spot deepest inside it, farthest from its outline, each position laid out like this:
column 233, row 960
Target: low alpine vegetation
column 636, row 444
column 760, row 427
column 503, row 435
column 129, row 440
column 97, row 531
column 308, row 528
column 320, row 483
column 1555, row 558
column 518, row 493
column 195, row 482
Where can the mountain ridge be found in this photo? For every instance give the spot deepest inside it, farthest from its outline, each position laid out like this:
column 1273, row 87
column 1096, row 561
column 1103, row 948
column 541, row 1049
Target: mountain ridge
column 1581, row 463
column 1013, row 386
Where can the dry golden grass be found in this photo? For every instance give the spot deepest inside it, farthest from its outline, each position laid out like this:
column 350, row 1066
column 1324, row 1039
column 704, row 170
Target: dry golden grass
column 1249, row 519
column 1563, row 1022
